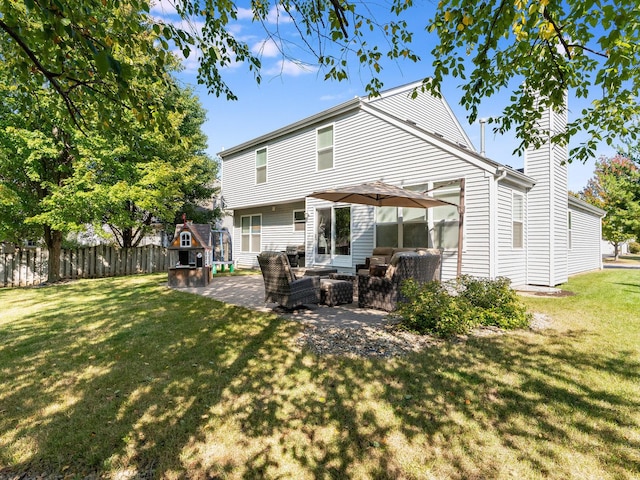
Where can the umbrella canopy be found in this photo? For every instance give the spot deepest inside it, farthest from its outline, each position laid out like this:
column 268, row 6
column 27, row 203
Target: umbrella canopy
column 380, row 194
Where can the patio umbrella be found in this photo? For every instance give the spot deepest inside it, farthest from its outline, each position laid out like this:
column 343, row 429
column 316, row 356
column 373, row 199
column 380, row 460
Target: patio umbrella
column 382, row 194
column 379, row 194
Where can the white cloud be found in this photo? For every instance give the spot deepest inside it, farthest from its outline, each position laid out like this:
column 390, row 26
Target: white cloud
column 190, row 64
column 266, row 48
column 163, row 8
column 291, row 68
column 245, row 14
column 276, row 15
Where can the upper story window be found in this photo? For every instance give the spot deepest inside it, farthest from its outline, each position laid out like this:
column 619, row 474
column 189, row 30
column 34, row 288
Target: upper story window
column 261, row 165
column 517, row 218
column 185, row 239
column 325, row 147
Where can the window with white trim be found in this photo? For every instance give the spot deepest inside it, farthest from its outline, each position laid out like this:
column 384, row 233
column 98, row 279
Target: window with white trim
column 251, row 233
column 517, row 219
column 261, row 165
column 325, row 147
column 185, row 239
column 299, row 221
column 409, row 227
column 446, row 219
column 569, row 239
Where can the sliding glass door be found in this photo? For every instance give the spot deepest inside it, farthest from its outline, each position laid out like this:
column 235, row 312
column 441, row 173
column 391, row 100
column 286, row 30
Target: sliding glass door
column 333, row 236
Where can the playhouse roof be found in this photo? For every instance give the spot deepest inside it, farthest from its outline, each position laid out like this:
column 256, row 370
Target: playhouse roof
column 200, row 232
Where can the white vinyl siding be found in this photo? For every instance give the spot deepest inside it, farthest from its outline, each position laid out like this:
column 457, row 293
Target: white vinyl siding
column 277, row 232
column 427, row 112
column 511, row 262
column 547, row 213
column 401, row 158
column 517, row 220
column 325, row 148
column 261, row 166
column 585, row 253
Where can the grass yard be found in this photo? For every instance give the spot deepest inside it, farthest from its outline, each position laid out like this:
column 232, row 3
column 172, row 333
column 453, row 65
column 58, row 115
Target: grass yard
column 628, row 259
column 124, row 378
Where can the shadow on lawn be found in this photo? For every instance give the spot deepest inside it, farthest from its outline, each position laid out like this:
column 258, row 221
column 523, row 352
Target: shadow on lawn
column 167, row 384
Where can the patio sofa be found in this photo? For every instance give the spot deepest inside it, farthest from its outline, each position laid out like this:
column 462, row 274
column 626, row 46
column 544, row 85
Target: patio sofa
column 382, row 255
column 383, row 293
column 281, row 286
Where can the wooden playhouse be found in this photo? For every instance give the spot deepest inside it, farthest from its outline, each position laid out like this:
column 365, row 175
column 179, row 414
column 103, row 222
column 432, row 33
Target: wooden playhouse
column 190, row 255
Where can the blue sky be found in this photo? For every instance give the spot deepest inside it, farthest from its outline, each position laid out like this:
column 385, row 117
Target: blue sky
column 290, row 92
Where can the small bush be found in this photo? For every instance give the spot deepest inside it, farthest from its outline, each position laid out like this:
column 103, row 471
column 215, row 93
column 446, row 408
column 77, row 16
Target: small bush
column 495, row 302
column 429, row 308
column 454, row 308
column 634, row 247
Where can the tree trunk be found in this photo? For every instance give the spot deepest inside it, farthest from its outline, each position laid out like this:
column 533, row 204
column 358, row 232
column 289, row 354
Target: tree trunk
column 127, row 237
column 616, row 251
column 53, row 240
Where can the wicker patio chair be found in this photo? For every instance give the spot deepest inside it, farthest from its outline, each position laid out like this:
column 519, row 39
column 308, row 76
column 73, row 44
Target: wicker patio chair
column 383, row 293
column 281, row 285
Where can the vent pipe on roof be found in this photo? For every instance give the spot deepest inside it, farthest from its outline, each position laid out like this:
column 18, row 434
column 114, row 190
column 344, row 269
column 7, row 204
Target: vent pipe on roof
column 482, row 123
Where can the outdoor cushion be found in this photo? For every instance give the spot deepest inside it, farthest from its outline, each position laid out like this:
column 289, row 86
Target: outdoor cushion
column 280, row 284
column 385, row 292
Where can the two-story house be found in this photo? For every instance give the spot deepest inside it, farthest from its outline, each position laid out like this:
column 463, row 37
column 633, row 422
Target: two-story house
column 522, row 225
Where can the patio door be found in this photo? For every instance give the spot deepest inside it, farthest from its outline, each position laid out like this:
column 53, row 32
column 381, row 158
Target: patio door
column 333, row 236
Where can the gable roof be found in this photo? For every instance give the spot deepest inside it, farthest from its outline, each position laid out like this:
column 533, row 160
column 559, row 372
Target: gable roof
column 464, row 152
column 200, row 232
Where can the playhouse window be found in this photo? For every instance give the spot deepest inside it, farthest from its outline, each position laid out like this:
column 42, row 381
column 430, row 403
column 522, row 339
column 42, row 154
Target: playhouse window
column 185, row 239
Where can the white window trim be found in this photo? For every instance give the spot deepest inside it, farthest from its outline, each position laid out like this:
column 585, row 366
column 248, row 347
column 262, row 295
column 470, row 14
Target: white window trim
column 304, row 221
column 400, row 222
column 333, row 147
column 433, row 192
column 266, row 169
column 250, row 233
column 569, row 228
column 513, row 220
column 185, row 239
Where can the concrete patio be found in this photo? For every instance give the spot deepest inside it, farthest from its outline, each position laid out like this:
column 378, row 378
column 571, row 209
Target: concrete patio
column 248, row 291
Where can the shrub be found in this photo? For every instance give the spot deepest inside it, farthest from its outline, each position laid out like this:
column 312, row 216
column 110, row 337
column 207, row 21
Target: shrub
column 634, row 247
column 429, row 308
column 496, row 303
column 454, row 308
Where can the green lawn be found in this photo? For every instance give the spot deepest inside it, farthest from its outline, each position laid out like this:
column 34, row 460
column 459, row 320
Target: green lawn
column 126, row 378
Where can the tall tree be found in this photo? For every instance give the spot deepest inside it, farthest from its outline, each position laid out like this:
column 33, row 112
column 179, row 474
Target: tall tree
column 615, row 187
column 55, row 178
column 36, row 162
column 589, row 46
column 144, row 177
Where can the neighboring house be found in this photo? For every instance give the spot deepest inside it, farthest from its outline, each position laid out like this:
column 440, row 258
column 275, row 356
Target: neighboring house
column 522, row 225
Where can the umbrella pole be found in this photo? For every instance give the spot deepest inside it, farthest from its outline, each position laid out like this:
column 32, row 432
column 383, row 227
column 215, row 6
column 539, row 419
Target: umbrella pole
column 460, row 228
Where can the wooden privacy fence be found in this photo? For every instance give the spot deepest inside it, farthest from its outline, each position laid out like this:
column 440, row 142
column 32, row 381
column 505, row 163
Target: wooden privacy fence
column 30, row 266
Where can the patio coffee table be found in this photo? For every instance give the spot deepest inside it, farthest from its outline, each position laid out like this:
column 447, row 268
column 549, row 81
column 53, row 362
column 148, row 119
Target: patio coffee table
column 319, row 272
column 335, row 292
